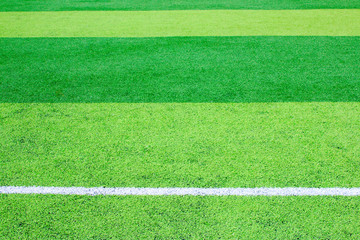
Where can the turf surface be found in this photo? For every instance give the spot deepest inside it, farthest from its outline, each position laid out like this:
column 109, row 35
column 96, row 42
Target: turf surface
column 66, row 5
column 325, row 22
column 103, row 112
column 211, row 69
column 181, row 145
column 136, row 217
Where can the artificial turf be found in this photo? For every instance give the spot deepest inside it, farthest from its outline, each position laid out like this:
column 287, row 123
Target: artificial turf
column 316, row 22
column 179, row 112
column 194, row 69
column 71, row 5
column 181, row 145
column 170, row 217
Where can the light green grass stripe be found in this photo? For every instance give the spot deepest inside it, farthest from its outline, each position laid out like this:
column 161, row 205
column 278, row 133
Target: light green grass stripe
column 326, row 22
column 180, row 145
column 171, row 217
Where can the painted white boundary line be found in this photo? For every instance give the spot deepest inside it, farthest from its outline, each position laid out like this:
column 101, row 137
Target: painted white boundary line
column 183, row 191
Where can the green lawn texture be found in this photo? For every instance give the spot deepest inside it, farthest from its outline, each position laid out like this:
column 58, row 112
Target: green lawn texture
column 170, row 217
column 323, row 22
column 181, row 145
column 179, row 112
column 211, row 69
column 67, row 5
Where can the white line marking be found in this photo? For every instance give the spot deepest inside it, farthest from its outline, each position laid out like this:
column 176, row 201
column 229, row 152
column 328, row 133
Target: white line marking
column 292, row 191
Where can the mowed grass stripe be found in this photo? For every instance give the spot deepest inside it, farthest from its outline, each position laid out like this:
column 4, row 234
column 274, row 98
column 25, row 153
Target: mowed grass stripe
column 181, row 145
column 71, row 5
column 139, row 217
column 323, row 22
column 194, row 69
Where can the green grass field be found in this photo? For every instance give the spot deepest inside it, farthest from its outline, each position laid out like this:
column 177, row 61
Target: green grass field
column 143, row 5
column 217, row 94
column 196, row 69
column 181, row 145
column 325, row 22
column 137, row 217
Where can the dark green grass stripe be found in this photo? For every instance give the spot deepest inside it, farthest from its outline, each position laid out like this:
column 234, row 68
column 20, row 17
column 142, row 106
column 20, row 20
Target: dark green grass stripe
column 68, row 5
column 137, row 217
column 183, row 69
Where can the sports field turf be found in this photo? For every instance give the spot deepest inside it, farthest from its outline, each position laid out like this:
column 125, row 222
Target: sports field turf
column 181, row 145
column 217, row 94
column 326, row 22
column 195, row 69
column 136, row 5
column 170, row 217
